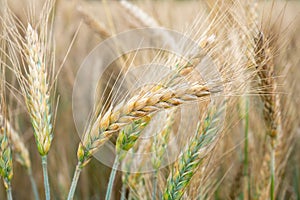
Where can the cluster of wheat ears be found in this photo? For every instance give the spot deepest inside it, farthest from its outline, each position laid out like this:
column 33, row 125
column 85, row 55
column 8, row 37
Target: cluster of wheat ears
column 234, row 121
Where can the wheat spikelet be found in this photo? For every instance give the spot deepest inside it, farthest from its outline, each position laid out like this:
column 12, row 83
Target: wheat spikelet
column 190, row 159
column 137, row 107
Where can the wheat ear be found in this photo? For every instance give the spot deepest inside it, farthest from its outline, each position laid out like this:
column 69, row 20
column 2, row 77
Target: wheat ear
column 125, row 141
column 158, row 147
column 38, row 98
column 270, row 98
column 135, row 108
column 6, row 164
column 192, row 157
column 22, row 155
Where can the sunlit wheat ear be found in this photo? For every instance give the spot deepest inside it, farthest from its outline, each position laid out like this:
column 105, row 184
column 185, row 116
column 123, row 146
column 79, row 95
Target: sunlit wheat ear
column 135, row 108
column 37, row 92
column 192, row 157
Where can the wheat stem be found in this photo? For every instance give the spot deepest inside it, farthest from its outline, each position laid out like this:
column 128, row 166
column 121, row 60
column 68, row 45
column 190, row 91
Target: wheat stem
column 123, row 191
column 33, row 185
column 74, row 181
column 8, row 191
column 272, row 188
column 112, row 178
column 46, row 179
column 154, row 185
column 246, row 150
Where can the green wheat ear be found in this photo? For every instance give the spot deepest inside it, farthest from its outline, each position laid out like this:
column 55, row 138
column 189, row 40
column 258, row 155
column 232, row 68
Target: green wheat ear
column 6, row 165
column 129, row 135
column 190, row 159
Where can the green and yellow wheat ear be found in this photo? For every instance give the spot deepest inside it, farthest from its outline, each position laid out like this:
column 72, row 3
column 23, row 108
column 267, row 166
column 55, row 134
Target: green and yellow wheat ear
column 6, row 165
column 195, row 153
column 37, row 92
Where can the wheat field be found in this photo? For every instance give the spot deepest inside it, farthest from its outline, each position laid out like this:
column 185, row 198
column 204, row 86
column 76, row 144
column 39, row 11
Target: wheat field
column 149, row 99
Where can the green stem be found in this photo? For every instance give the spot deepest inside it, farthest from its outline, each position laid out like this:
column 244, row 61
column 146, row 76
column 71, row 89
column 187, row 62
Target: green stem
column 33, row 185
column 123, row 192
column 112, row 178
column 272, row 189
column 154, row 185
column 46, row 180
column 74, row 181
column 8, row 191
column 246, row 150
